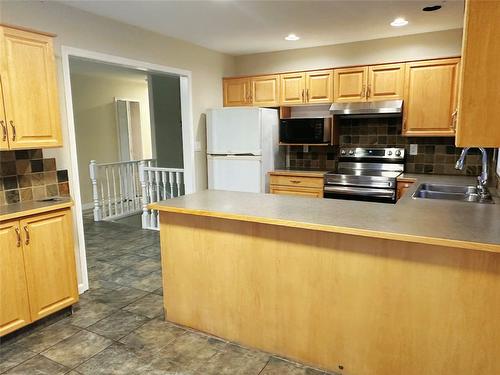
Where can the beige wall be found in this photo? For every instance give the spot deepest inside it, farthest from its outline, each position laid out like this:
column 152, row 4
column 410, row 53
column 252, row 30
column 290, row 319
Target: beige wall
column 411, row 47
column 76, row 28
column 95, row 121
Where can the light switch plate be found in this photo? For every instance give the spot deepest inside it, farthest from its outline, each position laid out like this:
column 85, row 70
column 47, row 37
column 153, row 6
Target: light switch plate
column 413, row 149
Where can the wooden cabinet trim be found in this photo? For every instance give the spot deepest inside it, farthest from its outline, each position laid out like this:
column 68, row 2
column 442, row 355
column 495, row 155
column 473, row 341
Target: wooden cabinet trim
column 297, row 191
column 315, row 96
column 296, row 94
column 448, row 130
column 28, row 73
column 14, row 302
column 479, row 112
column 397, row 87
column 296, row 181
column 41, row 257
column 349, row 91
column 274, row 92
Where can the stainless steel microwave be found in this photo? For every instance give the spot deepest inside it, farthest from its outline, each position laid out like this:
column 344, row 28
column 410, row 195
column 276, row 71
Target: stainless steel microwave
column 310, row 131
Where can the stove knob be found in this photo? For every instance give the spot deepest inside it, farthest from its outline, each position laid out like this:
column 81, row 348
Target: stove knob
column 389, row 153
column 351, row 152
column 342, row 152
column 398, row 153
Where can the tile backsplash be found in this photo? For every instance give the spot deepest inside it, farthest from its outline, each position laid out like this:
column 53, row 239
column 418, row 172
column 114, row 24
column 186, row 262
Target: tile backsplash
column 436, row 155
column 25, row 175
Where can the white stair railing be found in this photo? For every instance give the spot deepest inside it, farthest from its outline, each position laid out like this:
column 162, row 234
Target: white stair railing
column 116, row 188
column 158, row 184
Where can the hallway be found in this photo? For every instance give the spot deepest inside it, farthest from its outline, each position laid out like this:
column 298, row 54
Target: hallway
column 118, row 326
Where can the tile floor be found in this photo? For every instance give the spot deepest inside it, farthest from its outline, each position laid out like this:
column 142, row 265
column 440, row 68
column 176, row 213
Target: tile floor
column 118, row 326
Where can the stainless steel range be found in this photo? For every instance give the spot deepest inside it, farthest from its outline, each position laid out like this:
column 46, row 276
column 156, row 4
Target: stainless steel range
column 367, row 174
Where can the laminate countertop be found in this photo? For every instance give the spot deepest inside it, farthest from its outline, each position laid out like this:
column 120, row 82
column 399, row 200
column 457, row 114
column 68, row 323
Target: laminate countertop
column 436, row 222
column 22, row 209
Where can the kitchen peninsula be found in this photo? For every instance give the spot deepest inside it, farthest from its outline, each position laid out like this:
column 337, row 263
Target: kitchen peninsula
column 354, row 287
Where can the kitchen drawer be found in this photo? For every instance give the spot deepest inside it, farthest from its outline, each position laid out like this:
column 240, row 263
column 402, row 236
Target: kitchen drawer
column 297, row 191
column 298, row 181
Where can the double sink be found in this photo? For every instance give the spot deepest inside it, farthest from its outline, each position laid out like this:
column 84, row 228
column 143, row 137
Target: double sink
column 465, row 193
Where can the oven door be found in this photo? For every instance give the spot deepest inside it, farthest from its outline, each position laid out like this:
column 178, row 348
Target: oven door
column 360, row 193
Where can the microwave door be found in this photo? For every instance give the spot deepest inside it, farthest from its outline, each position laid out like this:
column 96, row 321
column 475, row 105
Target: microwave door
column 297, row 132
column 305, row 131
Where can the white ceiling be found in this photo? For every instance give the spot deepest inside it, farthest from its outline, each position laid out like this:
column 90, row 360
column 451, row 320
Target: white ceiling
column 241, row 27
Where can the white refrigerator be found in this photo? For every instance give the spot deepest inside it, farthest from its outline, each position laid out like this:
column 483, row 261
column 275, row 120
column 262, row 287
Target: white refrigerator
column 242, row 146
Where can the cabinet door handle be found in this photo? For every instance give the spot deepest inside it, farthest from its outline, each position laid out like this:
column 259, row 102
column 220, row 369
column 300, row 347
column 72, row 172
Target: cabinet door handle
column 27, row 242
column 13, row 130
column 363, row 90
column 18, row 234
column 454, row 119
column 303, row 95
column 307, row 95
column 368, row 92
column 4, row 130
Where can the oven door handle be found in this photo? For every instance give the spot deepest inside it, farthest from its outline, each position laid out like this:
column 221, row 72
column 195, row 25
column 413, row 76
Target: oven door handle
column 351, row 190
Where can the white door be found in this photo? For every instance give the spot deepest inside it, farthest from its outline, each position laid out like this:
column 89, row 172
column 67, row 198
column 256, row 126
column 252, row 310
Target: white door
column 235, row 173
column 234, row 131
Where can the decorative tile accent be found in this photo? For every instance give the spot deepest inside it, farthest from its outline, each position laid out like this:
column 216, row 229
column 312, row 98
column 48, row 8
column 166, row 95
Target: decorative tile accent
column 436, row 155
column 26, row 194
column 62, row 175
column 25, row 176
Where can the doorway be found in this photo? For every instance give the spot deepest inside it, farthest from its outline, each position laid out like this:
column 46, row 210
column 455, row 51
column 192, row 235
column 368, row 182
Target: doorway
column 129, row 110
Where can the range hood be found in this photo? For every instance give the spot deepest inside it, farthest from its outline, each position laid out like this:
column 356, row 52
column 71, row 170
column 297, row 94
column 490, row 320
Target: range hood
column 386, row 108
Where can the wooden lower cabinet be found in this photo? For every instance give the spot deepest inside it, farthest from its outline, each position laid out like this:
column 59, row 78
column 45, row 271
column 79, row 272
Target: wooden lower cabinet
column 14, row 306
column 295, row 183
column 38, row 270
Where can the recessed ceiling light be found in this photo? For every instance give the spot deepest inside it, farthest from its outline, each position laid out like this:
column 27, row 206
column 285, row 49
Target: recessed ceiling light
column 292, row 37
column 398, row 22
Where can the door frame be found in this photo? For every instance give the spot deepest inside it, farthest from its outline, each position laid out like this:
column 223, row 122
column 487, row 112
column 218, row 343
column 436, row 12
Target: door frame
column 188, row 141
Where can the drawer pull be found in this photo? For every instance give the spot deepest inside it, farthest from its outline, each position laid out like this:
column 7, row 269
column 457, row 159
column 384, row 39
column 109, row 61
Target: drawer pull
column 27, row 235
column 4, row 130
column 295, row 181
column 18, row 234
column 13, row 130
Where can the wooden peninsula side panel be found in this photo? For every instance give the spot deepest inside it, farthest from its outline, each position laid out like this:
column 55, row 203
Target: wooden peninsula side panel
column 373, row 306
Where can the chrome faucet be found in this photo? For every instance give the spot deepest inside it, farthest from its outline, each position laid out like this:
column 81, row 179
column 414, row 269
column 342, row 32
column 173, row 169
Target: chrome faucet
column 483, row 177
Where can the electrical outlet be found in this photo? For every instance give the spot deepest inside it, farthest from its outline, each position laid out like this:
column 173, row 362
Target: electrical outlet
column 413, row 149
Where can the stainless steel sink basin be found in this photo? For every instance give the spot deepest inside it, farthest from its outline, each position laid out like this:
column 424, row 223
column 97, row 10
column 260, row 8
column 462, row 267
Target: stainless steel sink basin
column 466, row 193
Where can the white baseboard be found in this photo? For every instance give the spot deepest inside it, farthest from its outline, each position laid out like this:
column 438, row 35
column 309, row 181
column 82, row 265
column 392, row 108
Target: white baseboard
column 82, row 288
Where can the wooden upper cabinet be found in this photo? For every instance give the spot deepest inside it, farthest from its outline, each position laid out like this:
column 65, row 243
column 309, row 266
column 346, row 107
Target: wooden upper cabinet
column 478, row 123
column 349, row 84
column 236, row 92
column 50, row 262
column 430, row 97
column 30, row 89
column 385, row 82
column 4, row 131
column 265, row 91
column 292, row 88
column 14, row 306
column 319, row 86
